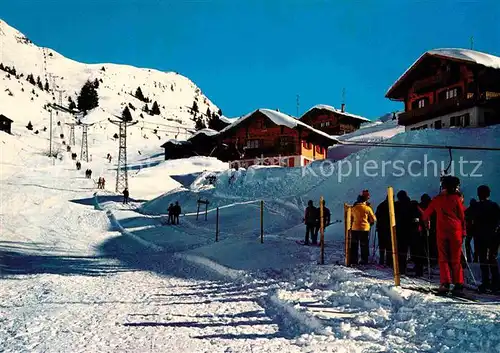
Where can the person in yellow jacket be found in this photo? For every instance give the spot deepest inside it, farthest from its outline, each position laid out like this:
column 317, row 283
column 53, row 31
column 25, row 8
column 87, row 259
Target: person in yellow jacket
column 362, row 219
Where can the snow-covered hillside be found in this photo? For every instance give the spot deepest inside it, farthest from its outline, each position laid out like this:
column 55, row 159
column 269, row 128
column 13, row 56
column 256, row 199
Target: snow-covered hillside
column 24, row 102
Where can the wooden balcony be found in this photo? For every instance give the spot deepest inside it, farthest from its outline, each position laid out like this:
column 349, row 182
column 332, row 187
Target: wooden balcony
column 436, row 110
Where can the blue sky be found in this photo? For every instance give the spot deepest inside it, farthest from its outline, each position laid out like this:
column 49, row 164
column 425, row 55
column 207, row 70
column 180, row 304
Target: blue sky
column 248, row 54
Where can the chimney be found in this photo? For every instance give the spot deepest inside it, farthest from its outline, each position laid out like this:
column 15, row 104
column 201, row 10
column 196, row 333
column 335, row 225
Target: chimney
column 342, row 108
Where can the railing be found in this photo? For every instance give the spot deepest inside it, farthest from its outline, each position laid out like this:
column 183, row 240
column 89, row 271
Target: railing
column 435, row 110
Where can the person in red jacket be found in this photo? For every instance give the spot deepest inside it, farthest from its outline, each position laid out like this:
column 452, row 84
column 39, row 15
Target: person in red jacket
column 450, row 229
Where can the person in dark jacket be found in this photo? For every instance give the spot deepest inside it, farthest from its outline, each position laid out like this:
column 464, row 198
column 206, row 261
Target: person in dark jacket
column 126, row 194
column 177, row 212
column 170, row 214
column 485, row 216
column 326, row 221
column 311, row 218
column 418, row 241
column 384, row 233
column 429, row 231
column 471, row 256
column 407, row 218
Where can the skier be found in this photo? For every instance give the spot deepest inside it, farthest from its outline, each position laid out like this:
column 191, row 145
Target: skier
column 170, row 211
column 125, row 196
column 326, row 221
column 407, row 220
column 384, row 233
column 486, row 219
column 90, row 173
column 418, row 241
column 471, row 233
column 177, row 212
column 103, row 182
column 99, row 182
column 429, row 230
column 310, row 220
column 78, row 165
column 450, row 222
column 362, row 218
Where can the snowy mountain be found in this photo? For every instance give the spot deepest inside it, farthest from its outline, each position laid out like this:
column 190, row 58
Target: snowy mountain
column 22, row 101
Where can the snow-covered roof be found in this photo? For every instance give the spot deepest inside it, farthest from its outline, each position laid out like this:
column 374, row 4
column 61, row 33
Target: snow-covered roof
column 280, row 119
column 175, row 142
column 337, row 111
column 227, row 120
column 467, row 55
column 207, row 132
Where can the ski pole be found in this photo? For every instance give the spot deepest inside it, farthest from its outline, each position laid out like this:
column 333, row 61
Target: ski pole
column 428, row 253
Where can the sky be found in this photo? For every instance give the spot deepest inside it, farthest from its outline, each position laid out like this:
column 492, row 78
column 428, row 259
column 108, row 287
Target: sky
column 250, row 54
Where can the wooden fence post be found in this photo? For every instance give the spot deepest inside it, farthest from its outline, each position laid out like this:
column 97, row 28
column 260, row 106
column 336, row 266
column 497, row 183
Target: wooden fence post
column 392, row 222
column 347, row 222
column 198, row 210
column 206, row 210
column 262, row 221
column 217, row 225
column 322, row 230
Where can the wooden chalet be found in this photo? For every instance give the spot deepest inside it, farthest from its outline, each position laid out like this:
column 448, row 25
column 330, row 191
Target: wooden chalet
column 332, row 121
column 268, row 137
column 449, row 88
column 5, row 124
column 202, row 143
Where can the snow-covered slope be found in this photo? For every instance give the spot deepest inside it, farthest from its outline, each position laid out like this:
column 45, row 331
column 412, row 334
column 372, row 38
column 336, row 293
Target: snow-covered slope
column 24, row 102
column 375, row 131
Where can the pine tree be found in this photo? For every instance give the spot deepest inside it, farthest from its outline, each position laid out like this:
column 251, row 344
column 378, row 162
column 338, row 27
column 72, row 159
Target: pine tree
column 39, row 83
column 72, row 105
column 88, row 98
column 126, row 115
column 200, row 124
column 195, row 107
column 29, row 126
column 46, row 85
column 209, row 113
column 155, row 110
column 219, row 112
column 31, row 79
column 96, row 83
column 145, row 108
column 139, row 95
column 1, row 67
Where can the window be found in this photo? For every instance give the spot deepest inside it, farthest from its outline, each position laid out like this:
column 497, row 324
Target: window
column 319, row 149
column 466, row 120
column 322, row 124
column 437, row 124
column 327, row 123
column 455, row 121
column 451, row 93
column 260, row 124
column 253, row 144
column 285, row 141
column 420, row 103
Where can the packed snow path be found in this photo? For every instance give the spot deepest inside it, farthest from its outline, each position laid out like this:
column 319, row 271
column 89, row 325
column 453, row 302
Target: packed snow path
column 64, row 289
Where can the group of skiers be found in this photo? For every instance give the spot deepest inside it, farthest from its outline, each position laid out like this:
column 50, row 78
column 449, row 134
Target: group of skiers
column 312, row 220
column 174, row 212
column 88, row 173
column 433, row 229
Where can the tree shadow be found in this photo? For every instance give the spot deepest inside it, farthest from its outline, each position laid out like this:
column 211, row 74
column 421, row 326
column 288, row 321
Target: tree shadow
column 18, row 259
column 200, row 324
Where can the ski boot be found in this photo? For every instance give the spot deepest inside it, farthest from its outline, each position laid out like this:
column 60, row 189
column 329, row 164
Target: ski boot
column 443, row 289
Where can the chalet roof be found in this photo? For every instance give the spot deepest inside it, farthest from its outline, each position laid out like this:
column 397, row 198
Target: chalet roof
column 455, row 54
column 3, row 117
column 279, row 119
column 175, row 142
column 207, row 132
column 336, row 111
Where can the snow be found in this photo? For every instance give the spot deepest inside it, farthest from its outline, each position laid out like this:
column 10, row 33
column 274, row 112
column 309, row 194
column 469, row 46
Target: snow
column 337, row 111
column 280, row 119
column 467, row 55
column 207, row 132
column 376, row 131
column 82, row 272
